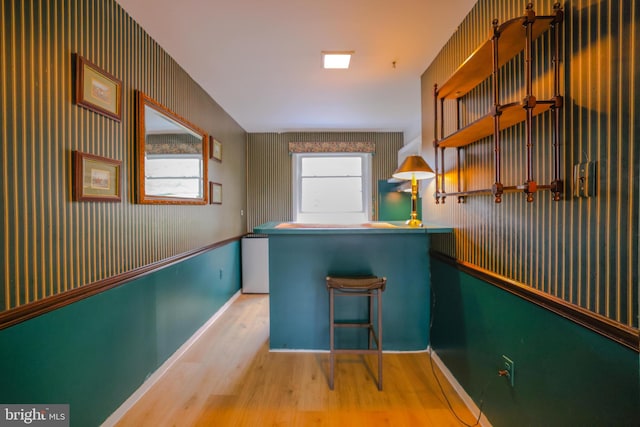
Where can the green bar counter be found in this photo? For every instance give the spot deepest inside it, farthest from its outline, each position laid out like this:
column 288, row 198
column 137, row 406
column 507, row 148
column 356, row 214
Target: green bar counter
column 302, row 255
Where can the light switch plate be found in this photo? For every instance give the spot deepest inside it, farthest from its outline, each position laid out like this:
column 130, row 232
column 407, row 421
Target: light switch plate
column 584, row 179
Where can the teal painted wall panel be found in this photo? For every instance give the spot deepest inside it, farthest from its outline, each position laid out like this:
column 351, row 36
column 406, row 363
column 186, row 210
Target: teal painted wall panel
column 181, row 313
column 395, row 205
column 93, row 354
column 299, row 301
column 92, row 364
column 565, row 375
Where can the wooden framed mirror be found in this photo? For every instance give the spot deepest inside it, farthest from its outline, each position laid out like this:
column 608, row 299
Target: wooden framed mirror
column 172, row 156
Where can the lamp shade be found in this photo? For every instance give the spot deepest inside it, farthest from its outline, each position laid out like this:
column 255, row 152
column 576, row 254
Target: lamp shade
column 414, row 166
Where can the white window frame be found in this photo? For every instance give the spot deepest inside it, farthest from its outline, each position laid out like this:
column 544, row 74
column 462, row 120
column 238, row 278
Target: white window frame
column 329, row 218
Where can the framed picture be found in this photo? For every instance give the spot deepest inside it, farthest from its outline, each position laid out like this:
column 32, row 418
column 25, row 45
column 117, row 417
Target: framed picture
column 215, row 193
column 215, row 149
column 97, row 90
column 96, row 178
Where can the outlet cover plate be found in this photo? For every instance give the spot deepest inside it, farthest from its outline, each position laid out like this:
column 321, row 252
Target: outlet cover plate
column 509, row 366
column 584, row 179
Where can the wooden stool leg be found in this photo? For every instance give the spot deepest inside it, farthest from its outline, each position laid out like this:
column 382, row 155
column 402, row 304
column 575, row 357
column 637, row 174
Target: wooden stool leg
column 379, row 294
column 370, row 287
column 331, row 339
column 370, row 329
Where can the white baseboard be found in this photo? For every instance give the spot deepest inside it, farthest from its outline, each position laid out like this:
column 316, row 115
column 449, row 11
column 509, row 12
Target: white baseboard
column 306, row 350
column 115, row 417
column 469, row 403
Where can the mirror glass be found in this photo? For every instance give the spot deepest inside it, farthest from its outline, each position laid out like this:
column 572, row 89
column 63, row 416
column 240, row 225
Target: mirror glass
column 172, row 156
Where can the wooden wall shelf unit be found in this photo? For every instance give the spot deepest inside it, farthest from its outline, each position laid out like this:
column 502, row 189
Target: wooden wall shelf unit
column 508, row 40
column 510, row 114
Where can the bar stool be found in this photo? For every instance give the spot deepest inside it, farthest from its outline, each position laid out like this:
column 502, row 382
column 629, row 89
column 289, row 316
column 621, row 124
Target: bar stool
column 359, row 286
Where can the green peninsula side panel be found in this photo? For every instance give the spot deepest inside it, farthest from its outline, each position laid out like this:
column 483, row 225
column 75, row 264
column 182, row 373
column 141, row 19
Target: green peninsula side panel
column 299, row 301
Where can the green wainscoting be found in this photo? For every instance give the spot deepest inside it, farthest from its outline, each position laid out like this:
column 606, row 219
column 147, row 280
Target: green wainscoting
column 95, row 353
column 565, row 375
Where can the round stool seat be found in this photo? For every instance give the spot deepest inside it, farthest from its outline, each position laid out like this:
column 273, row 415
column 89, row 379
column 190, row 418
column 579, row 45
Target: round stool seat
column 356, row 282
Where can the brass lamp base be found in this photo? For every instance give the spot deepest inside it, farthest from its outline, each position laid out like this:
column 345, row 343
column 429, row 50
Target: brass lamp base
column 414, row 223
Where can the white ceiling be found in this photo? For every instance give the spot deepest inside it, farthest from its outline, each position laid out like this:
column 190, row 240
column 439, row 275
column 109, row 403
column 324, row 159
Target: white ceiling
column 260, row 59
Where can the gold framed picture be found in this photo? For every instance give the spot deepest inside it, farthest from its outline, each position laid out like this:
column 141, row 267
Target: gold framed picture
column 98, row 90
column 215, row 193
column 215, row 149
column 96, row 178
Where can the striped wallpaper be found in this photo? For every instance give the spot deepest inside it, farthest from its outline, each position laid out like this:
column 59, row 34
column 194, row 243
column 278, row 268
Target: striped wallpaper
column 269, row 177
column 50, row 244
column 584, row 251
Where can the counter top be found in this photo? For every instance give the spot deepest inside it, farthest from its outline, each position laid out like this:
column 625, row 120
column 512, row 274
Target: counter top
column 374, row 227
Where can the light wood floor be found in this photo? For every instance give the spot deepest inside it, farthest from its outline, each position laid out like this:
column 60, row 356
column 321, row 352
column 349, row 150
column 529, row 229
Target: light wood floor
column 229, row 378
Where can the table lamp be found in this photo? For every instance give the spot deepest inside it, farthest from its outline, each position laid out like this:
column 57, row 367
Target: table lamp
column 414, row 168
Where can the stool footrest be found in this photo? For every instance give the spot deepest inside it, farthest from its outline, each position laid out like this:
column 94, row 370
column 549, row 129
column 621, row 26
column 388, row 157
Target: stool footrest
column 355, row 351
column 352, row 325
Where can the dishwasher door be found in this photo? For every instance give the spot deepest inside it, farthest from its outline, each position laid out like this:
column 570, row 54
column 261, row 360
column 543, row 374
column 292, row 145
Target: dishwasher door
column 255, row 264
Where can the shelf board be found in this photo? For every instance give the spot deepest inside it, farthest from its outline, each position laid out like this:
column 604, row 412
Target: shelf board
column 479, row 65
column 512, row 114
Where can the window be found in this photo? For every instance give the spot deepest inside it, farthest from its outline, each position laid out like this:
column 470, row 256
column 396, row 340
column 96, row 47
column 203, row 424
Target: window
column 173, row 175
column 332, row 188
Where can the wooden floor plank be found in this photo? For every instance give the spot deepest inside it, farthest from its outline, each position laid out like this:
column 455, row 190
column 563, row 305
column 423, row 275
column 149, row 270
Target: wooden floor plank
column 229, row 378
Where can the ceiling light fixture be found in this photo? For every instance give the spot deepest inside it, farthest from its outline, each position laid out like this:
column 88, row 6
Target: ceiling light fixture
column 336, row 60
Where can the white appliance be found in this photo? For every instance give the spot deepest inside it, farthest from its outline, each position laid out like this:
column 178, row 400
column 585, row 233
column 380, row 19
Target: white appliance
column 255, row 264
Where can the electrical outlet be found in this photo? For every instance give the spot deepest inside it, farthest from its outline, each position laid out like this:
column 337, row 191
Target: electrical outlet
column 584, row 180
column 509, row 367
